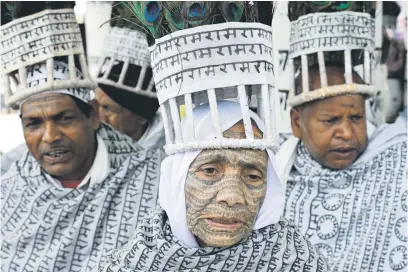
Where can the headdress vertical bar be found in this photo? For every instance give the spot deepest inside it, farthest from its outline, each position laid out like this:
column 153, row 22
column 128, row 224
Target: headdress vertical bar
column 175, row 116
column 71, row 67
column 141, row 78
column 347, row 66
column 322, row 69
column 50, row 68
column 266, row 110
column 22, row 74
column 243, row 101
column 214, row 113
column 123, row 72
column 367, row 67
column 166, row 123
column 189, row 114
column 305, row 74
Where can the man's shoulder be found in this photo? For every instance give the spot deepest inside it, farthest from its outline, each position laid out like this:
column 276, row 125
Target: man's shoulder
column 14, row 155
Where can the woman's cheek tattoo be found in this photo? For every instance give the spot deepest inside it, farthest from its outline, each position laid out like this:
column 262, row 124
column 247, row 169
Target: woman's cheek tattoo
column 227, row 199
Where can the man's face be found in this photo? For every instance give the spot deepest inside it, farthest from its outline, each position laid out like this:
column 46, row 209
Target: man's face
column 333, row 129
column 59, row 135
column 224, row 192
column 119, row 117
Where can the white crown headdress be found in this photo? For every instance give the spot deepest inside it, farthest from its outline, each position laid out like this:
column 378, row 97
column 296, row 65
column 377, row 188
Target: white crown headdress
column 127, row 47
column 205, row 62
column 328, row 31
column 37, row 39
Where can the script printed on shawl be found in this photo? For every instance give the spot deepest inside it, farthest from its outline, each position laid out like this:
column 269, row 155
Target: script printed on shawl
column 212, row 56
column 126, row 44
column 331, row 32
column 37, row 37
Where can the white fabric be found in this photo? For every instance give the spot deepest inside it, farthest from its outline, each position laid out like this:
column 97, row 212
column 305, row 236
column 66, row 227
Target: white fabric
column 48, row 228
column 175, row 167
column 154, row 134
column 178, row 71
column 286, row 154
column 98, row 171
column 357, row 216
column 27, row 45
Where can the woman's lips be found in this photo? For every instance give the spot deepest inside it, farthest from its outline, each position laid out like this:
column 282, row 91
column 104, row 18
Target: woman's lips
column 223, row 224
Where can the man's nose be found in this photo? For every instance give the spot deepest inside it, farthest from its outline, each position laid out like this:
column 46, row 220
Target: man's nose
column 345, row 130
column 51, row 133
column 231, row 195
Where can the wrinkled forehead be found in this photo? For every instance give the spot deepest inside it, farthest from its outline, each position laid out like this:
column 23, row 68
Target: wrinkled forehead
column 47, row 101
column 237, row 131
column 355, row 102
column 235, row 157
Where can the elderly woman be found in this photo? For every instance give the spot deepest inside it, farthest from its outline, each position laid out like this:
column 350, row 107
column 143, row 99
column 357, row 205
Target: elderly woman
column 220, row 211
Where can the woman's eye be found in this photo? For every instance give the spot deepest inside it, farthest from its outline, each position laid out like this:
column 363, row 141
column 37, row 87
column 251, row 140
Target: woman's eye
column 210, row 171
column 252, row 175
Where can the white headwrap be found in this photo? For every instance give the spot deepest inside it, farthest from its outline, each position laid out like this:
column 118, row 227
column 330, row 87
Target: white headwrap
column 175, row 167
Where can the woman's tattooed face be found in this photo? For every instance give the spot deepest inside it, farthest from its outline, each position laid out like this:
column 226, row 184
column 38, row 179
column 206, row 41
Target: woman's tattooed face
column 224, row 191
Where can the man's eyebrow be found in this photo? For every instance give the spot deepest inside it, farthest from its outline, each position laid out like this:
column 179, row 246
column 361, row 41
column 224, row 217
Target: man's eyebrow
column 56, row 115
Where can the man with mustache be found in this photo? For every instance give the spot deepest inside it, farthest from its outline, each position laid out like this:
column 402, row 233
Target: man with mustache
column 129, row 107
column 81, row 188
column 346, row 191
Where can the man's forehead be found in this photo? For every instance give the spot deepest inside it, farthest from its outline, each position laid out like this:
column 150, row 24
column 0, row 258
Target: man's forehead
column 355, row 101
column 58, row 101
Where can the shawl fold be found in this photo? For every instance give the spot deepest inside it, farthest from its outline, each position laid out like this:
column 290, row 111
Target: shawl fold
column 356, row 217
column 277, row 247
column 50, row 228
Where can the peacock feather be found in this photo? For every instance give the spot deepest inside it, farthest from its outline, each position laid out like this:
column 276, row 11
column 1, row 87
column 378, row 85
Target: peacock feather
column 149, row 14
column 161, row 18
column 232, row 11
column 198, row 13
column 174, row 15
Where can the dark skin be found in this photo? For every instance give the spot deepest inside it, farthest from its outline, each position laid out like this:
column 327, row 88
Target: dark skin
column 120, row 118
column 333, row 129
column 60, row 136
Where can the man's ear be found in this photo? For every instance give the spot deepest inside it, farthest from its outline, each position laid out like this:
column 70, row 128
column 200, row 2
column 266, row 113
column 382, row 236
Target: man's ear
column 95, row 114
column 295, row 116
